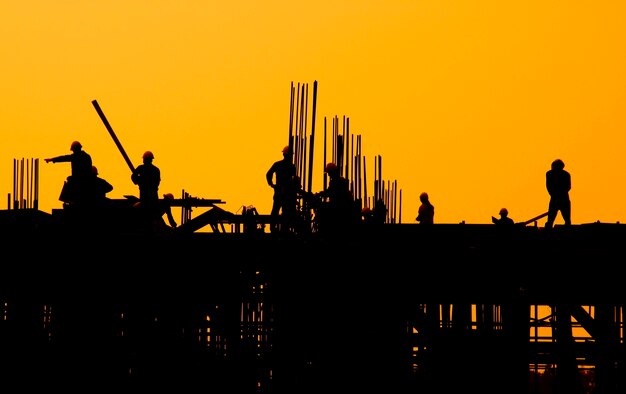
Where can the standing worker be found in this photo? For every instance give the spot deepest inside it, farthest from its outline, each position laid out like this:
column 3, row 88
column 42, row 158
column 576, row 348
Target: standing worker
column 280, row 177
column 426, row 211
column 148, row 177
column 77, row 185
column 558, row 183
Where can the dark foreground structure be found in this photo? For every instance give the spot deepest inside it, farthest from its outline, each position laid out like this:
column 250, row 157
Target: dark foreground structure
column 392, row 308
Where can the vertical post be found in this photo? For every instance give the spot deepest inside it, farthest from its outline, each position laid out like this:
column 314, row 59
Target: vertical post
column 21, row 204
column 400, row 207
column 346, row 133
column 325, row 148
column 365, row 183
column 36, row 206
column 313, row 114
column 14, row 183
column 291, row 115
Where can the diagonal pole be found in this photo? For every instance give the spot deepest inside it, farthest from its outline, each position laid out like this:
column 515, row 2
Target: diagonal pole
column 110, row 129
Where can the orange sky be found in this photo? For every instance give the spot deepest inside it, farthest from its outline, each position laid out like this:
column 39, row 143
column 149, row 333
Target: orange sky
column 468, row 100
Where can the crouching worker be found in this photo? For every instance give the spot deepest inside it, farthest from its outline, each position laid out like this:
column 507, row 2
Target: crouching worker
column 98, row 189
column 151, row 215
column 165, row 208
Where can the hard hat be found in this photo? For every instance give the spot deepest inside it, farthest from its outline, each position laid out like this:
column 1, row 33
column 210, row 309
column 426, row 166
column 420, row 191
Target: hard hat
column 169, row 196
column 75, row 145
column 558, row 164
column 330, row 167
column 287, row 150
column 148, row 155
column 504, row 211
column 94, row 170
column 424, row 196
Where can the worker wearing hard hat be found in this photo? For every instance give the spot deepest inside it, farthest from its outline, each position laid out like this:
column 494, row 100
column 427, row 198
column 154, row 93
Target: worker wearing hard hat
column 148, row 177
column 76, row 187
column 166, row 209
column 504, row 219
column 280, row 177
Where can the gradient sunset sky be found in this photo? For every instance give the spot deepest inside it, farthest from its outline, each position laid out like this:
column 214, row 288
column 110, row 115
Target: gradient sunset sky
column 469, row 101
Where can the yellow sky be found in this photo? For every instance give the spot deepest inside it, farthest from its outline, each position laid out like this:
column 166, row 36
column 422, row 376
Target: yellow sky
column 468, row 100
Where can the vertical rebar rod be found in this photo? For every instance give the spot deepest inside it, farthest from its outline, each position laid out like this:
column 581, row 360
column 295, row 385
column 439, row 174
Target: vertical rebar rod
column 291, row 104
column 15, row 183
column 21, row 204
column 312, row 138
column 365, row 183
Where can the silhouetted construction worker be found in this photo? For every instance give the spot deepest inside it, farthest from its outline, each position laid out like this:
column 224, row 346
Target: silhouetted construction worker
column 280, row 177
column 558, row 183
column 426, row 210
column 338, row 191
column 166, row 209
column 376, row 215
column 338, row 208
column 151, row 214
column 99, row 187
column 148, row 177
column 76, row 187
column 504, row 219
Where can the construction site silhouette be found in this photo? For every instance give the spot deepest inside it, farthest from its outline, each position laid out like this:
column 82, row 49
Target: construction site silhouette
column 92, row 297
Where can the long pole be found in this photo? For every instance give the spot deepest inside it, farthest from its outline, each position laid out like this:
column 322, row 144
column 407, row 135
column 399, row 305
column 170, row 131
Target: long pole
column 110, row 129
column 290, row 139
column 312, row 138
